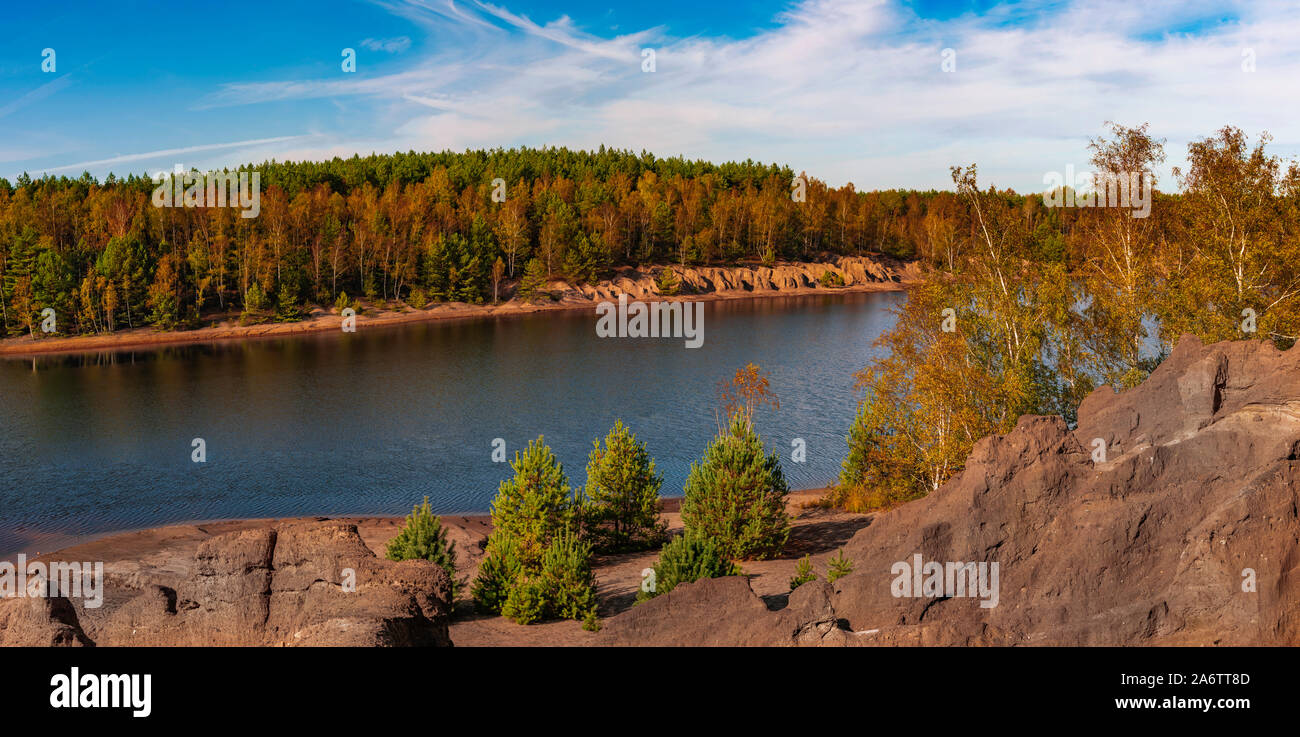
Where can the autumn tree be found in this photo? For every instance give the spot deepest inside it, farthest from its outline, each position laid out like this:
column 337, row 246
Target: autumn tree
column 748, row 390
column 1118, row 254
column 1242, row 273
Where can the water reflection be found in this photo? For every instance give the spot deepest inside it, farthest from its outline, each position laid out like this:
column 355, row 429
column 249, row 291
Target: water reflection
column 368, row 423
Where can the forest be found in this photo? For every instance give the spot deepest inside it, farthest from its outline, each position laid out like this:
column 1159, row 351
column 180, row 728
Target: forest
column 423, row 228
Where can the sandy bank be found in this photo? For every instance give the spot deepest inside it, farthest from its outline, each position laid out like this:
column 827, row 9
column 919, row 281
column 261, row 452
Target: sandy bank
column 860, row 274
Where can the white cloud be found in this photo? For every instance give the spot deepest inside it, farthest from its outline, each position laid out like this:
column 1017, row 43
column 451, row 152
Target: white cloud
column 844, row 89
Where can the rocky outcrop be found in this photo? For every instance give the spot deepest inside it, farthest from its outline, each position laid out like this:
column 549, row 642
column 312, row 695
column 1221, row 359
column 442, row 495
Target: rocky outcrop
column 727, row 612
column 1186, row 531
column 853, row 271
column 36, row 622
column 294, row 584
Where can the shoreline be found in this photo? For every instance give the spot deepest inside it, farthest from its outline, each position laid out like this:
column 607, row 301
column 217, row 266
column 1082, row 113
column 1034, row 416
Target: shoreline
column 321, row 320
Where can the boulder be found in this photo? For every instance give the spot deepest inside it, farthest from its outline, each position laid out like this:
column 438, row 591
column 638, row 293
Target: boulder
column 1186, row 532
column 313, row 583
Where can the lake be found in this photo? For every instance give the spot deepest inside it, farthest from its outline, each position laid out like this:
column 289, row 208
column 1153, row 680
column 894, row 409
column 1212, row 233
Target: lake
column 370, row 423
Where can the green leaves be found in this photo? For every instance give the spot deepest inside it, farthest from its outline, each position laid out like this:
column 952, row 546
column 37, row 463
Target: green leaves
column 534, row 279
column 736, row 494
column 424, row 537
column 838, row 567
column 622, row 494
column 668, row 284
column 803, row 573
column 456, row 268
column 536, row 503
column 687, row 558
column 536, row 566
column 569, row 583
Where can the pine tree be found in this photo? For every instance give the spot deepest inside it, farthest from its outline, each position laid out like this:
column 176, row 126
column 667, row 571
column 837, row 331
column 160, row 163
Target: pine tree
column 54, row 286
column 534, row 279
column 622, row 493
column 687, row 558
column 123, row 261
column 536, row 504
column 586, row 260
column 736, row 495
column 288, row 300
column 535, row 566
column 838, row 567
column 439, row 262
column 424, row 537
column 803, row 573
column 668, row 284
column 569, row 581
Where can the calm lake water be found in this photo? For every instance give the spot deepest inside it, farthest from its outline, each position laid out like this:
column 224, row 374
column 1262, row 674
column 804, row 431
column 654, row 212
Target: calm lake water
column 371, row 422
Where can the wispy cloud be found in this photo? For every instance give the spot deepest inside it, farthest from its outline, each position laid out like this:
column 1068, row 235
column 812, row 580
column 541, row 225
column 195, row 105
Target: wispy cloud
column 563, row 32
column 37, row 94
column 169, row 152
column 845, row 89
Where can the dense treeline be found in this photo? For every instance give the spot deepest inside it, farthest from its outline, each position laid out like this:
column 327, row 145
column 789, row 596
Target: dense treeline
column 419, row 228
column 1022, row 319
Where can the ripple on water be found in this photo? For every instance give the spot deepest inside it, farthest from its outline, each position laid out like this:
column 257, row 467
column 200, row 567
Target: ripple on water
column 372, row 422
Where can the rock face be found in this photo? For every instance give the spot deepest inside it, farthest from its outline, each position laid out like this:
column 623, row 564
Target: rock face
column 854, row 271
column 288, row 585
column 40, row 623
column 1186, row 533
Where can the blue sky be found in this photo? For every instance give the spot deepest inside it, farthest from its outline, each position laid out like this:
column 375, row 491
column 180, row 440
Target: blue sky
column 848, row 90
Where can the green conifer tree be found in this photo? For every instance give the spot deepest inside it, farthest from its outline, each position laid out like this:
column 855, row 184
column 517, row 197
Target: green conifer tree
column 534, row 279
column 424, row 537
column 736, row 495
column 685, row 559
column 622, row 493
column 535, row 566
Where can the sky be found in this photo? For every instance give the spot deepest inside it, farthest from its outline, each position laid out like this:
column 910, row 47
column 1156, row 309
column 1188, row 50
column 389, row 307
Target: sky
column 846, row 90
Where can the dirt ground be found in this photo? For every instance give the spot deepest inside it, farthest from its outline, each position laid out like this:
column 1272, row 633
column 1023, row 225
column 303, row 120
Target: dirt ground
column 816, row 532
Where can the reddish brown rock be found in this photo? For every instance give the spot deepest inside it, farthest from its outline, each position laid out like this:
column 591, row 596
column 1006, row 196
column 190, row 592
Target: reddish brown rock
column 709, row 612
column 1152, row 546
column 40, row 622
column 312, row 583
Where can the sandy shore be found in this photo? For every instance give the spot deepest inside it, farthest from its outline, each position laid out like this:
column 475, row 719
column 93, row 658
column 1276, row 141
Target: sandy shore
column 225, row 327
column 165, row 554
